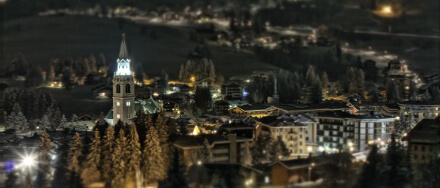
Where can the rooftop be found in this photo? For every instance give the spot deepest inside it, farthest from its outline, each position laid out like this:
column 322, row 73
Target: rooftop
column 426, row 131
column 341, row 114
column 197, row 141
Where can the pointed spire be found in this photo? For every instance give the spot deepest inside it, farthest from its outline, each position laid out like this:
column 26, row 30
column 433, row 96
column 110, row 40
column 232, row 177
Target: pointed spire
column 123, row 53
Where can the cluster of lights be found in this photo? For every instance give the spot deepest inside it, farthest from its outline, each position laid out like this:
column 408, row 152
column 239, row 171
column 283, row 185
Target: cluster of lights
column 327, row 149
column 248, row 182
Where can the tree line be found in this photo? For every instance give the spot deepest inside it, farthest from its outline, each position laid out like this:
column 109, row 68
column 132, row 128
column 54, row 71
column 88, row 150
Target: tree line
column 27, row 109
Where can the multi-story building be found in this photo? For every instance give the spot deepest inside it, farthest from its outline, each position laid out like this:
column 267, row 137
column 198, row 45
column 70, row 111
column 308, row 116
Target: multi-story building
column 398, row 73
column 296, row 131
column 343, row 131
column 424, row 142
column 232, row 91
column 225, row 149
column 414, row 112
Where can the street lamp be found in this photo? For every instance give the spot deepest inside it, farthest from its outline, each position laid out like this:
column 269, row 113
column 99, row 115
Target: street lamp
column 387, row 9
column 28, row 161
column 310, row 170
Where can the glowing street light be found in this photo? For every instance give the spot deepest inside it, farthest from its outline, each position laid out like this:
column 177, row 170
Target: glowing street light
column 309, row 149
column 310, row 170
column 387, row 9
column 28, row 161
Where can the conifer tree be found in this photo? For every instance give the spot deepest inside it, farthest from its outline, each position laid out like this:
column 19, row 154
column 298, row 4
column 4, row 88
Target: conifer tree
column 247, row 155
column 119, row 160
column 44, row 165
column 74, row 118
column 140, row 122
column 261, row 148
column 94, row 160
column 153, row 164
column 164, row 132
column 107, row 150
column 279, row 150
column 45, row 123
column 398, row 170
column 176, row 176
column 60, row 176
column 206, row 152
column 134, row 153
column 75, row 153
column 371, row 173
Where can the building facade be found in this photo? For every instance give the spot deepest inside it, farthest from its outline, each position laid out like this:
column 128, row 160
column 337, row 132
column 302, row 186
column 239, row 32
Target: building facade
column 424, row 142
column 296, row 131
column 225, row 149
column 232, row 91
column 414, row 112
column 343, row 131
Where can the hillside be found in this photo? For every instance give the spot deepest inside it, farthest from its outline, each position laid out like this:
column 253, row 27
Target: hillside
column 42, row 38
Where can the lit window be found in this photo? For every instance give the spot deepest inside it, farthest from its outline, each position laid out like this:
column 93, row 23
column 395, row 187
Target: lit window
column 118, row 116
column 118, row 103
column 128, row 103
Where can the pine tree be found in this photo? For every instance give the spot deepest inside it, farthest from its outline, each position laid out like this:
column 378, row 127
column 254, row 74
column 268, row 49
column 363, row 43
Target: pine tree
column 153, row 164
column 45, row 123
column 247, row 155
column 34, row 77
column 107, row 150
column 75, row 153
column 176, row 176
column 393, row 94
column 94, row 160
column 203, row 99
column 51, row 74
column 74, row 118
column 371, row 171
column 119, row 160
column 134, row 153
column 261, row 148
column 206, row 152
column 60, row 176
column 44, row 164
column 311, row 76
column 279, row 150
column 118, row 127
column 63, row 120
column 398, row 170
column 16, row 120
column 324, row 80
column 140, row 123
column 164, row 132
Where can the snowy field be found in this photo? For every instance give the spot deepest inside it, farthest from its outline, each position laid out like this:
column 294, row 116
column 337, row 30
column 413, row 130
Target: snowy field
column 42, row 38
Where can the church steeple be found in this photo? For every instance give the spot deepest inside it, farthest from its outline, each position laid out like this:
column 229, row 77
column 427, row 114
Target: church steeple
column 123, row 53
column 123, row 60
column 123, row 88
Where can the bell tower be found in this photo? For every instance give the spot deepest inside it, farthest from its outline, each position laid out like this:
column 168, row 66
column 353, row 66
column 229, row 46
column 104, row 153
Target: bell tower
column 123, row 87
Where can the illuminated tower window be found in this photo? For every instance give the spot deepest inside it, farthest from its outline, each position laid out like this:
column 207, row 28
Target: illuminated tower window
column 118, row 103
column 118, row 116
column 128, row 103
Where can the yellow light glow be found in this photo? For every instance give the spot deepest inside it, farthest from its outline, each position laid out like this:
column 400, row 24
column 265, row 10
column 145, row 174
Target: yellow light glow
column 387, row 9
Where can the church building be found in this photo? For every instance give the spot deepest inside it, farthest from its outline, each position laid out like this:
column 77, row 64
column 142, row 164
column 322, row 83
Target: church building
column 124, row 104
